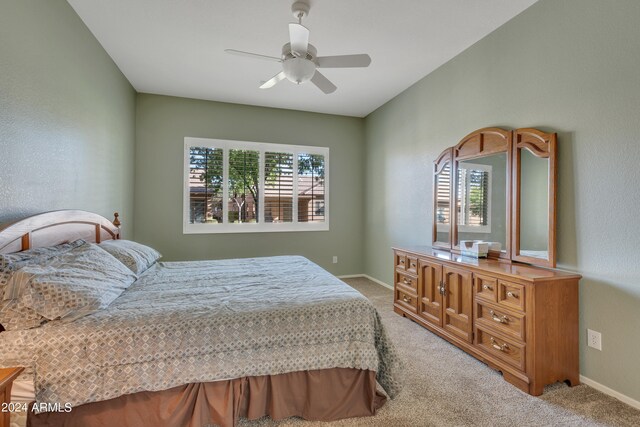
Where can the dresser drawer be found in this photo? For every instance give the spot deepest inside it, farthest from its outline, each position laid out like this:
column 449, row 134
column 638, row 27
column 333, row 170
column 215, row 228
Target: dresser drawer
column 505, row 349
column 511, row 295
column 412, row 264
column 400, row 260
column 485, row 287
column 500, row 320
column 407, row 280
column 406, row 299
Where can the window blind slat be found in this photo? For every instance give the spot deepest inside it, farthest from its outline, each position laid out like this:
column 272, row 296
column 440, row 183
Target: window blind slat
column 442, row 195
column 278, row 187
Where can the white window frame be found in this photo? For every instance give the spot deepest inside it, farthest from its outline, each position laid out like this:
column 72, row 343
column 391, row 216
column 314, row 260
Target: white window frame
column 477, row 228
column 260, row 226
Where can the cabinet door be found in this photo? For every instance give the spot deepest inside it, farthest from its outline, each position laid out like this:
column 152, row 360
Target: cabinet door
column 457, row 302
column 430, row 298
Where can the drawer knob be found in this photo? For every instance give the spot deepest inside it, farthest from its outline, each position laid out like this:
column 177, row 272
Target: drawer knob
column 405, row 299
column 499, row 319
column 487, row 287
column 504, row 347
column 404, row 279
column 512, row 295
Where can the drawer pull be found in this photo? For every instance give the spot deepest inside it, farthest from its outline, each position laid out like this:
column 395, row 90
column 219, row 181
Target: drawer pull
column 487, row 287
column 494, row 316
column 404, row 279
column 512, row 295
column 401, row 261
column 405, row 299
column 504, row 347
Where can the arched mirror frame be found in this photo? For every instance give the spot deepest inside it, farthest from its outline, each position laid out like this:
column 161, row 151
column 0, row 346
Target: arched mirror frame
column 483, row 142
column 541, row 145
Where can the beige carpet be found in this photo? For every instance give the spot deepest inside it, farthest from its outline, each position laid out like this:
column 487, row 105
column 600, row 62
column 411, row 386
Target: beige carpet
column 446, row 387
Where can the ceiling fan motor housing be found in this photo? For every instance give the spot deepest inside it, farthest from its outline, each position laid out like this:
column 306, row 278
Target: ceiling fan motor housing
column 300, row 9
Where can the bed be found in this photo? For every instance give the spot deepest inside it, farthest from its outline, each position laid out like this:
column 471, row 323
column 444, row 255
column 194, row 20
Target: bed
column 195, row 343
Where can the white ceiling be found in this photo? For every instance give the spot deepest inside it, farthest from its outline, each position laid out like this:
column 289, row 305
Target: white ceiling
column 176, row 47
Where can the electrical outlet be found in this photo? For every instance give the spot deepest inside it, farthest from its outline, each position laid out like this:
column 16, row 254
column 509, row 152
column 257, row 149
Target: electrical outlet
column 335, row 259
column 594, row 339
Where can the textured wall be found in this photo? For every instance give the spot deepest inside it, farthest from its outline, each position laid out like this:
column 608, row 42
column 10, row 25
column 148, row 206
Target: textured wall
column 162, row 124
column 571, row 66
column 67, row 116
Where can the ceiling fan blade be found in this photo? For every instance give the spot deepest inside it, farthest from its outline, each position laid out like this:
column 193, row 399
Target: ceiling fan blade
column 344, row 61
column 252, row 55
column 323, row 83
column 299, row 37
column 273, row 80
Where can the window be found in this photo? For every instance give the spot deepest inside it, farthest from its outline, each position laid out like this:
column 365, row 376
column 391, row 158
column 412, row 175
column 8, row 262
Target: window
column 236, row 187
column 474, row 198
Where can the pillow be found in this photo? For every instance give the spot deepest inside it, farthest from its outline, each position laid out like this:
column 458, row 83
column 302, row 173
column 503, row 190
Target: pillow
column 15, row 261
column 136, row 256
column 66, row 287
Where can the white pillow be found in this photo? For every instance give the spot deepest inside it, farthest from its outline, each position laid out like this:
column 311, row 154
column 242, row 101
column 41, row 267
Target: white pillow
column 136, row 256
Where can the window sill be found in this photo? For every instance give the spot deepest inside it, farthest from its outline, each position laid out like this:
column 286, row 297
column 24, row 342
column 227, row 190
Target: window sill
column 252, row 228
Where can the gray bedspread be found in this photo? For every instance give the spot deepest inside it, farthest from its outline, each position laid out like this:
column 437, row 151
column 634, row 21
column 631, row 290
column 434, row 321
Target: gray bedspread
column 198, row 321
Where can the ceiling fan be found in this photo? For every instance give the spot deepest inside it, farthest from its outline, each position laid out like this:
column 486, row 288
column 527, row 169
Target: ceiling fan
column 299, row 59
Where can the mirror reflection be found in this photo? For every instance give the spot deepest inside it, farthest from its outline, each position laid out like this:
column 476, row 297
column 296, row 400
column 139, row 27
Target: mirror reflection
column 481, row 199
column 442, row 209
column 534, row 205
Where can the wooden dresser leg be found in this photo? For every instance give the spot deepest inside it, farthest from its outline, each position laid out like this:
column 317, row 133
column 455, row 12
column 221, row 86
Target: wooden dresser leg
column 536, row 389
column 516, row 382
column 573, row 381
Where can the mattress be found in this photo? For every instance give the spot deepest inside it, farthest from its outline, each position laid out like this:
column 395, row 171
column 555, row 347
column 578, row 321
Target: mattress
column 204, row 321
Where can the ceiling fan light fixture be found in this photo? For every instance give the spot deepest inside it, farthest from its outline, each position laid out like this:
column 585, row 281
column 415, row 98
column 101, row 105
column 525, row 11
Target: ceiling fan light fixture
column 298, row 70
column 299, row 58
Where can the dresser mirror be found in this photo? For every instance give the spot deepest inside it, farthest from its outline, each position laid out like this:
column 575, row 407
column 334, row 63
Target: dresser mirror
column 442, row 201
column 482, row 164
column 534, row 189
column 499, row 186
column 481, row 199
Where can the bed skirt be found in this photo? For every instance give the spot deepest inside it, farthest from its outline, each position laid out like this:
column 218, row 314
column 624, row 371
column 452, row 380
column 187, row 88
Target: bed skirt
column 320, row 395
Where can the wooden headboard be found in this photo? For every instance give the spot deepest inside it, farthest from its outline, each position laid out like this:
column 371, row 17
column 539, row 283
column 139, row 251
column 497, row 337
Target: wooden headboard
column 53, row 228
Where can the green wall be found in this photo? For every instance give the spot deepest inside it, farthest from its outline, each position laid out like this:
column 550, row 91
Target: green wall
column 571, row 66
column 67, row 116
column 162, row 124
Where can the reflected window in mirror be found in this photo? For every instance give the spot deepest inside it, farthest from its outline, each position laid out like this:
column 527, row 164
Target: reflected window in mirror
column 474, row 198
column 481, row 199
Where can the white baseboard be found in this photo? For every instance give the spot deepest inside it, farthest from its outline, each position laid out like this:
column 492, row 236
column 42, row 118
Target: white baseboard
column 366, row 276
column 606, row 390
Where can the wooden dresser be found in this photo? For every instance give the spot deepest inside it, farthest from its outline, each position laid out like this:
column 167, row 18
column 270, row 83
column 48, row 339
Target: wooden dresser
column 518, row 319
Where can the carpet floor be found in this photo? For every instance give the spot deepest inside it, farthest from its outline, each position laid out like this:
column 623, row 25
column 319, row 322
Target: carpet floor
column 444, row 386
